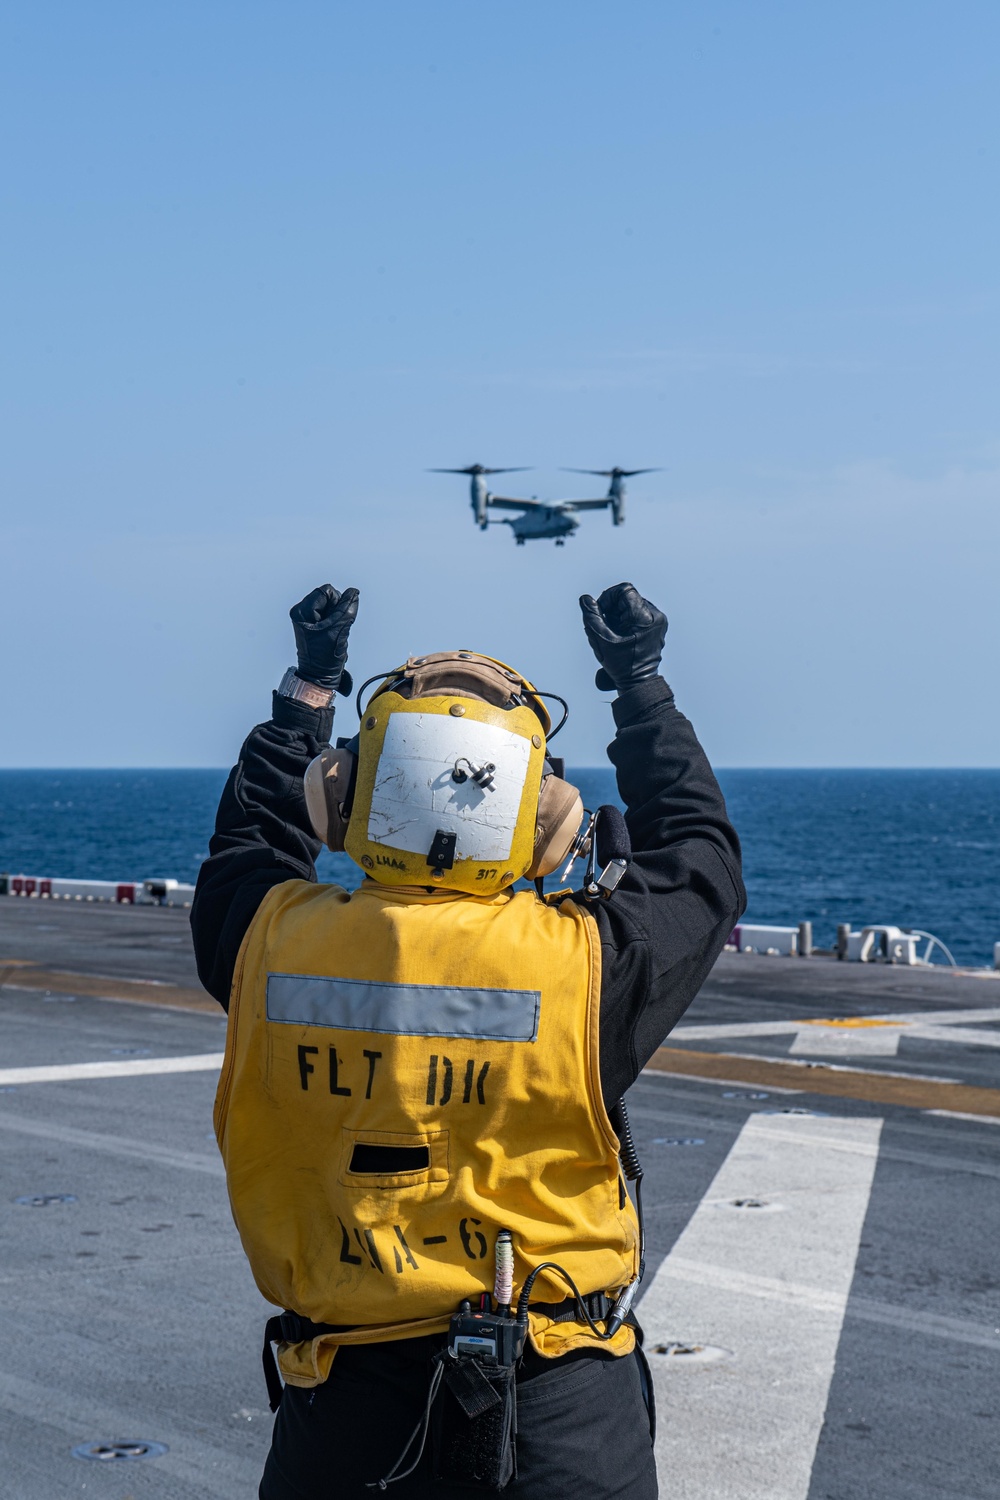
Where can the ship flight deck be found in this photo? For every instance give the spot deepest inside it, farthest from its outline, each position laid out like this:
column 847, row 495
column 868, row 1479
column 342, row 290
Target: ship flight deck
column 822, row 1299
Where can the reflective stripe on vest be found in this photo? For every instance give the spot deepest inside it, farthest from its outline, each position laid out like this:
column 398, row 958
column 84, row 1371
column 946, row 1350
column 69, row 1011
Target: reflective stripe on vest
column 405, row 1075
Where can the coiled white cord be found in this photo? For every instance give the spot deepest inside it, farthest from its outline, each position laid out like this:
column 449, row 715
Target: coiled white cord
column 503, row 1286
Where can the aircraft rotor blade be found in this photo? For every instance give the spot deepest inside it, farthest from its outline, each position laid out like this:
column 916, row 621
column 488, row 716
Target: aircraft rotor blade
column 613, row 473
column 479, row 469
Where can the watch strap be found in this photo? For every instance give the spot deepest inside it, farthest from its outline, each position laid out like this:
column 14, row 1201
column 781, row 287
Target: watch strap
column 296, row 687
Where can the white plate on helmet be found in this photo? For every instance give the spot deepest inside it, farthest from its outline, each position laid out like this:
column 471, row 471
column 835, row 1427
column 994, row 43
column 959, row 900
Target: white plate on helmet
column 415, row 794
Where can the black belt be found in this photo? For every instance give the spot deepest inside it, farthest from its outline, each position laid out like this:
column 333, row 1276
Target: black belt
column 294, row 1328
column 289, row 1328
column 597, row 1304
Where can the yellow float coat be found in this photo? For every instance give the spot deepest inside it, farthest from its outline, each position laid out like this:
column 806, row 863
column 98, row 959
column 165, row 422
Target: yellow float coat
column 463, row 1029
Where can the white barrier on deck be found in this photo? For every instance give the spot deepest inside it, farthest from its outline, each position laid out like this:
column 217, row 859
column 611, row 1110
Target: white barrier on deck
column 883, row 944
column 120, row 892
column 783, row 941
column 50, row 888
column 877, row 943
column 165, row 893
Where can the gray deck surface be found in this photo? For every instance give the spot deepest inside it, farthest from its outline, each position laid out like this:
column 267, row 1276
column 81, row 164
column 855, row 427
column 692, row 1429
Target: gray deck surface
column 859, row 1308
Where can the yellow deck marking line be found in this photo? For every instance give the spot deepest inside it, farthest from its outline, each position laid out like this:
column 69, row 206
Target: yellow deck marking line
column 904, row 1089
column 853, row 1021
column 18, row 973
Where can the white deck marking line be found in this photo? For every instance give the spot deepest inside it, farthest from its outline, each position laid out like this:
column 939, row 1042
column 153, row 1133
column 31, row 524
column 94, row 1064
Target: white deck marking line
column 933, row 1161
column 941, row 1017
column 848, row 1041
column 956, row 1114
column 883, row 1040
column 726, row 1083
column 114, row 1145
column 794, row 1062
column 972, row 1036
column 959, row 1330
column 133, row 1067
column 773, row 1288
column 867, row 1309
column 812, row 1039
column 732, row 1029
column 786, row 1131
column 770, row 1288
column 907, row 1018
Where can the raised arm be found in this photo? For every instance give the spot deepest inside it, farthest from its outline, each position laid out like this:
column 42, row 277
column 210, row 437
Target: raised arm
column 262, row 831
column 666, row 924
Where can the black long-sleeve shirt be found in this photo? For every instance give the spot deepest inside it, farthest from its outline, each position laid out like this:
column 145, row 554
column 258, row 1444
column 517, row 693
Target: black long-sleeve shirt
column 660, row 932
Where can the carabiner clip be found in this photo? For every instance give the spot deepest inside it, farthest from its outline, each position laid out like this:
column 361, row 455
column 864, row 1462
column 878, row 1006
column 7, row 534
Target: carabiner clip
column 609, row 879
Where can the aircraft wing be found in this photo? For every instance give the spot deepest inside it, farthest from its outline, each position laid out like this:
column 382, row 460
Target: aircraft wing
column 500, row 503
column 581, row 504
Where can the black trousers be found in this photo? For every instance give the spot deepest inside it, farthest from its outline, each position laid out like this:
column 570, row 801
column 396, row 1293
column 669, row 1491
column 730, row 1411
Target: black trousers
column 583, row 1429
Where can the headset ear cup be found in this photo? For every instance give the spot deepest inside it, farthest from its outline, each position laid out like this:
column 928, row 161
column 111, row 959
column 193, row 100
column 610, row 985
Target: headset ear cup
column 560, row 813
column 327, row 785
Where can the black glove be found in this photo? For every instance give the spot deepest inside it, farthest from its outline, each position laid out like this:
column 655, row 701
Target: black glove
column 322, row 622
column 626, row 634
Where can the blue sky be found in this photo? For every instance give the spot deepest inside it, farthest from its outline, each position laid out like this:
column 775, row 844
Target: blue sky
column 263, row 265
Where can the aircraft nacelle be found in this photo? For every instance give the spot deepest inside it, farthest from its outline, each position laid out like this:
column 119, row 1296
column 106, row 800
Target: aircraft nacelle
column 480, row 501
column 616, row 495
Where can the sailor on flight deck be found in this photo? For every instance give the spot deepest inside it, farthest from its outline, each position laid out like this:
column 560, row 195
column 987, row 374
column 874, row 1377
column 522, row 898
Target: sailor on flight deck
column 419, row 1106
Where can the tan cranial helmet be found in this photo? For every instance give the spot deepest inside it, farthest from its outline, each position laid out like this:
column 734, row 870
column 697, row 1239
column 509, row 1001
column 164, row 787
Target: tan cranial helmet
column 450, row 786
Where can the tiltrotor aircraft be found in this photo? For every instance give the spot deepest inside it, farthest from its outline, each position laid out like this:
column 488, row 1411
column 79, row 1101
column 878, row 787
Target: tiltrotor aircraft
column 540, row 519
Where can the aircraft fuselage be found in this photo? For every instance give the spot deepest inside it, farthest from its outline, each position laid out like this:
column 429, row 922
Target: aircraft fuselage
column 540, row 525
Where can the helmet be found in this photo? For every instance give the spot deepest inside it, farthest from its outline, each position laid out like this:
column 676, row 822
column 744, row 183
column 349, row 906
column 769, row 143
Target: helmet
column 447, row 783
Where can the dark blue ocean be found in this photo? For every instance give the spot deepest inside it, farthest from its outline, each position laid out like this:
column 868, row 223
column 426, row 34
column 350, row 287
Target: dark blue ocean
column 916, row 848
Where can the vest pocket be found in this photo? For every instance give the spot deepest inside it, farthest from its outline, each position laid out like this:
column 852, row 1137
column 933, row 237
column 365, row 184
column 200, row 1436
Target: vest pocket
column 381, row 1159
column 367, row 1159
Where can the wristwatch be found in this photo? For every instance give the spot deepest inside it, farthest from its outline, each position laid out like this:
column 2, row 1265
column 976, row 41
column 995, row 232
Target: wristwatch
column 293, row 686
